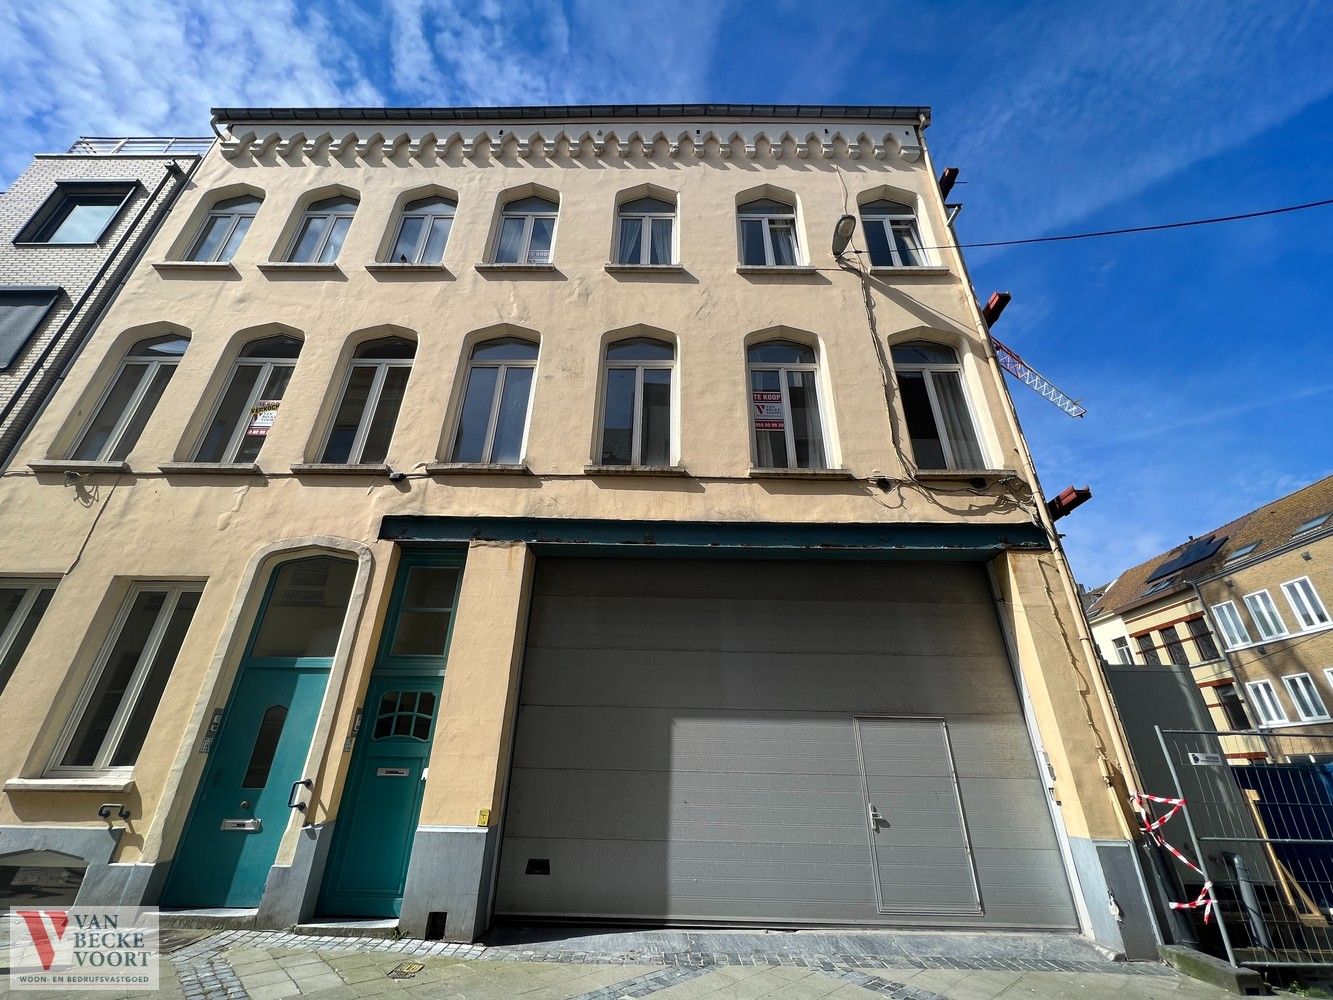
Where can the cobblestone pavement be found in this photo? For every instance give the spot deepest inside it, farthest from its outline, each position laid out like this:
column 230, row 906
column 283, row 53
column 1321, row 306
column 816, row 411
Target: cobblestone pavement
column 273, row 965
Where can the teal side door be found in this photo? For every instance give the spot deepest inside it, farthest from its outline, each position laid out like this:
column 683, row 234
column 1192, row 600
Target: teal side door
column 240, row 811
column 377, row 819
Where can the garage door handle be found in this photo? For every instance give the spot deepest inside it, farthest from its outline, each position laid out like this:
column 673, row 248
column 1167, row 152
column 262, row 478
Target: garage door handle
column 294, row 794
column 875, row 818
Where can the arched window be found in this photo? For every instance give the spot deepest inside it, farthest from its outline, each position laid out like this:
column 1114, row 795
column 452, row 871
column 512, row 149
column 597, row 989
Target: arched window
column 527, row 231
column 636, row 403
column 368, row 410
column 130, row 399
column 930, row 380
column 224, row 228
column 784, row 406
column 322, row 231
column 303, row 615
column 247, row 407
column 494, row 415
column 423, row 232
column 892, row 235
column 646, row 232
column 768, row 234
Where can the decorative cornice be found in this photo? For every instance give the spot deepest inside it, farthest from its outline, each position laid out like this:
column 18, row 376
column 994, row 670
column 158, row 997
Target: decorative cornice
column 844, row 141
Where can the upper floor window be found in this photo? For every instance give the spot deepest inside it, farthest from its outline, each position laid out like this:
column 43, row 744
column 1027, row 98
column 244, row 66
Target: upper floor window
column 22, row 605
column 129, row 401
column 1122, row 653
column 1231, row 625
column 939, row 422
column 322, row 231
column 368, row 409
column 224, row 229
column 1305, row 603
column 1266, row 705
column 423, row 232
column 1306, row 697
column 1228, row 699
column 768, row 233
column 22, row 311
column 892, row 236
column 1149, row 649
column 116, row 707
column 527, row 231
column 249, row 404
column 494, row 415
column 784, row 406
column 1203, row 639
column 646, row 232
column 636, row 410
column 1265, row 615
column 79, row 212
column 1175, row 648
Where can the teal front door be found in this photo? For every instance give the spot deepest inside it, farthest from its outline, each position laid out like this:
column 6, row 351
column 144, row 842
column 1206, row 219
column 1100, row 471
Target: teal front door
column 372, row 835
column 241, row 811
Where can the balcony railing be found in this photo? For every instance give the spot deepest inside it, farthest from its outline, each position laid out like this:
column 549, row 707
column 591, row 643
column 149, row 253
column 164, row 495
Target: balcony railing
column 141, row 145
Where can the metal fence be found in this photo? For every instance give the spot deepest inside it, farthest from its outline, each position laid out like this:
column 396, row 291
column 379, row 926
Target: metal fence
column 1260, row 825
column 134, row 145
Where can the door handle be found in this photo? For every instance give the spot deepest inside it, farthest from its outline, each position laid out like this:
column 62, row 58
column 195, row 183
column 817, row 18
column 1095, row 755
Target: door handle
column 875, row 818
column 292, row 795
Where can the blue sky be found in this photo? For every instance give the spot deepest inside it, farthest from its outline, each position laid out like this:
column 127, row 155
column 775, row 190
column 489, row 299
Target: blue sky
column 1201, row 355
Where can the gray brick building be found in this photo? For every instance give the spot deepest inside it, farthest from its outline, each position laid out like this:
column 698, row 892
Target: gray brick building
column 71, row 226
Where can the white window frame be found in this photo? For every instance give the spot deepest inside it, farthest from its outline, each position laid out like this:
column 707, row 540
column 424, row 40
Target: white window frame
column 1266, row 704
column 636, row 438
column 1301, row 689
column 789, row 433
column 130, row 698
column 525, row 241
column 645, row 222
column 308, row 216
column 261, row 382
column 493, row 419
column 1306, row 602
column 112, row 442
column 428, row 217
column 381, row 366
column 887, row 220
column 236, row 215
column 1123, row 653
column 1230, row 625
column 768, row 218
column 1261, row 606
column 33, row 587
column 928, row 370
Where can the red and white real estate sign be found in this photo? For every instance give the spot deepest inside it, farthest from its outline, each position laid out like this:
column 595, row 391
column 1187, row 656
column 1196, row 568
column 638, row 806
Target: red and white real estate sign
column 766, row 409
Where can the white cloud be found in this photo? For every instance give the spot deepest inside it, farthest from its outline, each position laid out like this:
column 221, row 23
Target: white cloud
column 155, row 67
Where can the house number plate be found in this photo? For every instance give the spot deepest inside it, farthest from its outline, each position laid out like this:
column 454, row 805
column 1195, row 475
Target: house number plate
column 250, row 825
column 391, row 772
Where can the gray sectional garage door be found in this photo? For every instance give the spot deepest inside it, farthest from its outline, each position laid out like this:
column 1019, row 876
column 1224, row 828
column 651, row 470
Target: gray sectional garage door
column 775, row 743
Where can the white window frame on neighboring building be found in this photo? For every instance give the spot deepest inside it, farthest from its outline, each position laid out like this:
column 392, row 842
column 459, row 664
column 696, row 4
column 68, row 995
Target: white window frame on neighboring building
column 1263, row 612
column 646, row 219
column 1230, row 625
column 528, row 217
column 1267, row 707
column 37, row 594
column 115, row 448
column 1123, row 653
column 233, row 217
column 767, row 218
column 1306, row 604
column 1306, row 697
column 129, row 698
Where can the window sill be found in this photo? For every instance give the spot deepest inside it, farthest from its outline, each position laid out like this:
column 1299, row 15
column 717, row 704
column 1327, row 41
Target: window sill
column 801, row 474
column 478, row 469
column 486, row 268
column 645, row 269
column 194, row 266
column 1280, row 638
column 295, row 267
column 79, row 466
column 964, row 475
column 210, row 469
column 910, row 272
column 54, row 246
column 635, row 470
column 775, row 269
column 110, row 783
column 340, row 469
column 398, row 267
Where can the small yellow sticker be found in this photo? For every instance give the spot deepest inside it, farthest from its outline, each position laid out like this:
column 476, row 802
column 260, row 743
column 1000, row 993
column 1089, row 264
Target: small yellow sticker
column 483, row 817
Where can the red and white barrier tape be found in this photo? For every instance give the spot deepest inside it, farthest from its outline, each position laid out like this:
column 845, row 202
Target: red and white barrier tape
column 1151, row 825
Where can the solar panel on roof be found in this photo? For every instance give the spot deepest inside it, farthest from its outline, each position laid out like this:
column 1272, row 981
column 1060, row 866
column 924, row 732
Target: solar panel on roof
column 1195, row 551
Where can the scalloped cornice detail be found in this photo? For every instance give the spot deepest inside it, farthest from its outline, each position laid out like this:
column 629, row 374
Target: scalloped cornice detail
column 849, row 142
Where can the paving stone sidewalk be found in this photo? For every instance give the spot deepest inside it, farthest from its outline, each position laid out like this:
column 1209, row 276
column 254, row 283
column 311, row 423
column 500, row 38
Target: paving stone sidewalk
column 272, row 965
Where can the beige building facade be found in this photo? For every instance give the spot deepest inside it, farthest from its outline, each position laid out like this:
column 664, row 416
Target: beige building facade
column 523, row 514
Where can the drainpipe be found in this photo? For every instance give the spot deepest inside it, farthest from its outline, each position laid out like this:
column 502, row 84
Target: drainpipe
column 108, row 295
